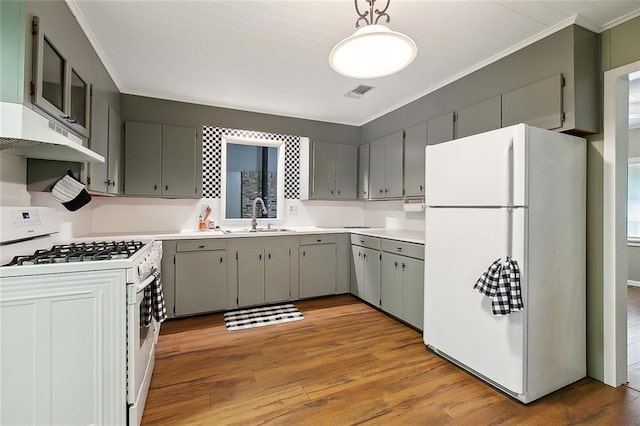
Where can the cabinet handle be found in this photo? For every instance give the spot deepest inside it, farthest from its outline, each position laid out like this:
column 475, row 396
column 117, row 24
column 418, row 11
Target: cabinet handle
column 220, row 260
column 362, row 241
column 260, row 257
column 364, row 255
column 269, row 255
column 399, row 248
column 421, row 188
column 381, row 190
column 359, row 254
column 201, row 247
column 386, row 190
column 155, row 187
column 338, row 192
column 332, row 192
column 303, row 254
column 166, row 188
column 403, row 266
column 319, row 241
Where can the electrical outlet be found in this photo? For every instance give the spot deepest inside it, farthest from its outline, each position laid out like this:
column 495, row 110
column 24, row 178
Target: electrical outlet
column 293, row 210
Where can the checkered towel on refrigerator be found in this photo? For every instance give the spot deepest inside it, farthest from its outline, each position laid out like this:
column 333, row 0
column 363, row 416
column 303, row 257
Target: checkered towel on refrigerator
column 501, row 282
column 153, row 303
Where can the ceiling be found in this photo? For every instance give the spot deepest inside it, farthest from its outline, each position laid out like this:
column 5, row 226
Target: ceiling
column 271, row 56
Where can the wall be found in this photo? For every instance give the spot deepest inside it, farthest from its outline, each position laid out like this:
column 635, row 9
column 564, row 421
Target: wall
column 634, row 251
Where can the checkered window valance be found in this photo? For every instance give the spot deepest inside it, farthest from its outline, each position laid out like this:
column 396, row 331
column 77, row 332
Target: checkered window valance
column 212, row 159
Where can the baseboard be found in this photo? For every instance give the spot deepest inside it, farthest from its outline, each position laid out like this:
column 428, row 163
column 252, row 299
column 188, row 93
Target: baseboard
column 633, row 283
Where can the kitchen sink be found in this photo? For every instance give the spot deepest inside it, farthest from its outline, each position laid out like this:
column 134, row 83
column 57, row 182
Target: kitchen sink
column 255, row 231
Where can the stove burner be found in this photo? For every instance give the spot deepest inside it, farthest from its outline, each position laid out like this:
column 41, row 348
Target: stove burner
column 80, row 252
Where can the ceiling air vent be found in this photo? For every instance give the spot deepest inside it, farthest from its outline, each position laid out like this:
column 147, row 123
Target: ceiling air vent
column 358, row 92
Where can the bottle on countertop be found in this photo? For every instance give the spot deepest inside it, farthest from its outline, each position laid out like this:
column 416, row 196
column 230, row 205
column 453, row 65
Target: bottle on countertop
column 202, row 226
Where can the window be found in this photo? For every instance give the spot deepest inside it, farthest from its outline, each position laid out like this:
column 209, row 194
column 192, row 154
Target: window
column 633, row 201
column 250, row 169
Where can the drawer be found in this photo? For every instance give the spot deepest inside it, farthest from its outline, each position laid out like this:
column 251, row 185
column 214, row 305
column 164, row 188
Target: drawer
column 368, row 242
column 201, row 245
column 306, row 240
column 403, row 249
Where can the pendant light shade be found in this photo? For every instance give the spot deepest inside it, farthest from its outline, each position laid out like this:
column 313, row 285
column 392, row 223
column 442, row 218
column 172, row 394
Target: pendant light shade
column 373, row 50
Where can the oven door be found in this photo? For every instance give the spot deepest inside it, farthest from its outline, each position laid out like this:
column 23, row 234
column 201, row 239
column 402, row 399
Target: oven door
column 141, row 343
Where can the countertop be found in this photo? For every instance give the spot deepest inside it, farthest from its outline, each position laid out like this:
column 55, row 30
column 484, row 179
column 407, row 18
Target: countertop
column 392, row 234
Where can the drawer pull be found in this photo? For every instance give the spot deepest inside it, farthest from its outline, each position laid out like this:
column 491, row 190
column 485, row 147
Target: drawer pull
column 319, row 241
column 399, row 248
column 201, row 247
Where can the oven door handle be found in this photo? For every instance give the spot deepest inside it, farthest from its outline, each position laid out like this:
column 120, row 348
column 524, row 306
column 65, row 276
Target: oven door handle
column 137, row 288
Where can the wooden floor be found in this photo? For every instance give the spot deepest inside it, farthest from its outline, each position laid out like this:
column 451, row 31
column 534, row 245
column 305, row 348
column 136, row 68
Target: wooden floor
column 633, row 336
column 345, row 363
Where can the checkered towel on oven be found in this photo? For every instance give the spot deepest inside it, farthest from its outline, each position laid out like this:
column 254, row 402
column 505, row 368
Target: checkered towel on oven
column 153, row 303
column 501, row 282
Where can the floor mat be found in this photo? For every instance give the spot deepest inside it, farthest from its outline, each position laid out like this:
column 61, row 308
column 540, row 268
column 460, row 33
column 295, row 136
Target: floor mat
column 261, row 316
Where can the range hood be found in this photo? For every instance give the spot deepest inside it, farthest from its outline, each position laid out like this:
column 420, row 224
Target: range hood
column 25, row 132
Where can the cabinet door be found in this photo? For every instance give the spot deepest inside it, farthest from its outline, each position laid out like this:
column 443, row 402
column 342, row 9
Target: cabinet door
column 357, row 279
column 346, row 171
column 178, row 161
column 413, row 291
column 143, row 158
column 538, row 104
column 99, row 142
column 201, row 282
column 114, row 171
column 479, row 118
column 317, row 270
column 414, row 143
column 377, row 166
column 250, row 277
column 371, row 260
column 363, row 171
column 277, row 280
column 393, row 166
column 391, row 284
column 324, row 170
column 440, row 129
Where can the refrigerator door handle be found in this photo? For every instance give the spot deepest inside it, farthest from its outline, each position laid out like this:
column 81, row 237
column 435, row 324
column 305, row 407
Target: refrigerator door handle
column 509, row 199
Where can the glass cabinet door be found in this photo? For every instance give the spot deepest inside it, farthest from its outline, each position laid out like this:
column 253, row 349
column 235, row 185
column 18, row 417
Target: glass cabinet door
column 53, row 76
column 78, row 100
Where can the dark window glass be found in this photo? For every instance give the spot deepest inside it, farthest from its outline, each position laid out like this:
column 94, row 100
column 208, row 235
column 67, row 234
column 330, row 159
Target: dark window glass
column 52, row 75
column 78, row 93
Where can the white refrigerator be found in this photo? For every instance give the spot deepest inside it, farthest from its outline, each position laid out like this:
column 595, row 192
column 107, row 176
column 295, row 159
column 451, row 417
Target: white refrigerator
column 520, row 192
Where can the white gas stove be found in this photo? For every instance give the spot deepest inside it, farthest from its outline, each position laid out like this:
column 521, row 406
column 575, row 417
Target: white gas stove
column 75, row 344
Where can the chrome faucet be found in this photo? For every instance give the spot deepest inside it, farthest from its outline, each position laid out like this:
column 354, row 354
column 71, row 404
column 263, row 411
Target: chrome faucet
column 254, row 221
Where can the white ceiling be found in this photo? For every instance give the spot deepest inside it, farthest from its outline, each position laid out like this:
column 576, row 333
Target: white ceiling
column 271, row 56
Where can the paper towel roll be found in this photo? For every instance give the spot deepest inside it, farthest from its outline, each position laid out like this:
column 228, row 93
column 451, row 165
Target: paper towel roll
column 413, row 207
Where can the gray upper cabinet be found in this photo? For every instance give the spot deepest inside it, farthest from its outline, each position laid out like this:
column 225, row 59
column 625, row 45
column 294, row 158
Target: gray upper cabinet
column 440, row 129
column 57, row 86
column 106, row 140
column 385, row 167
column 538, row 104
column 363, row 171
column 160, row 160
column 178, row 161
column 324, row 170
column 334, row 171
column 480, row 117
column 415, row 141
column 346, row 171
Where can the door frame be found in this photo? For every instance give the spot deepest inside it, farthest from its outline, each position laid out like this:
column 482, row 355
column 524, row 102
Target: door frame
column 614, row 262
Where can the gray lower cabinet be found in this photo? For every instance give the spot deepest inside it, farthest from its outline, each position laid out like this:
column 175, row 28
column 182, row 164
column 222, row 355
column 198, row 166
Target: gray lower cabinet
column 262, row 269
column 317, row 261
column 160, row 160
column 200, row 281
column 365, row 281
column 415, row 141
column 479, row 117
column 402, row 281
column 385, row 167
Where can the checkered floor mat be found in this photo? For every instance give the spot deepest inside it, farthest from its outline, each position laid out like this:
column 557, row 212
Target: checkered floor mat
column 261, row 316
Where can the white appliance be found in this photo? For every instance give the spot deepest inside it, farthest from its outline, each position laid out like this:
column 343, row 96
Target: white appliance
column 519, row 191
column 72, row 346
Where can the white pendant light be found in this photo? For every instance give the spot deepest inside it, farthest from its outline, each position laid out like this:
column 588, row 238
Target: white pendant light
column 373, row 50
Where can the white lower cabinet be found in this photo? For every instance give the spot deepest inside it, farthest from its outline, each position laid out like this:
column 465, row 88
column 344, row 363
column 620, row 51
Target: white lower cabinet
column 200, row 277
column 317, row 266
column 402, row 283
column 62, row 348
